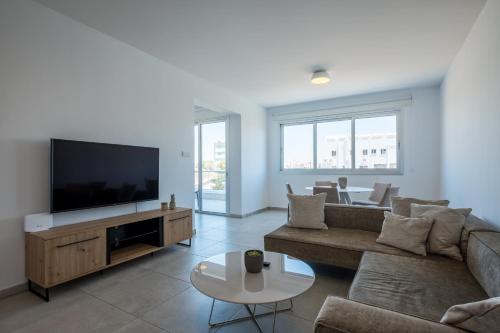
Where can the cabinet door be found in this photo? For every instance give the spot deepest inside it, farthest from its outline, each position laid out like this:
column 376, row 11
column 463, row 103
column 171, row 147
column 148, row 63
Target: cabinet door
column 177, row 230
column 75, row 255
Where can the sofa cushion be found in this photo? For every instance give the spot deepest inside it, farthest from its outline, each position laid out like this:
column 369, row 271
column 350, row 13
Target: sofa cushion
column 444, row 237
column 405, row 233
column 402, row 206
column 483, row 259
column 421, row 287
column 482, row 316
column 354, row 217
column 349, row 239
column 473, row 223
column 307, row 211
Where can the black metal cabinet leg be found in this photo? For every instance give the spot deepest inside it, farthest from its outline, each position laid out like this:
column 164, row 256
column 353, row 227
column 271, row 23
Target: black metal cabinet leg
column 44, row 296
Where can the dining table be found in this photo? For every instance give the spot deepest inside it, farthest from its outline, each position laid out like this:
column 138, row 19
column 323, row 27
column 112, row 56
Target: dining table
column 345, row 198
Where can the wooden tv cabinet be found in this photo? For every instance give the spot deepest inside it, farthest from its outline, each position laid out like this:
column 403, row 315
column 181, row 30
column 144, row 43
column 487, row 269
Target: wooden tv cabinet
column 67, row 252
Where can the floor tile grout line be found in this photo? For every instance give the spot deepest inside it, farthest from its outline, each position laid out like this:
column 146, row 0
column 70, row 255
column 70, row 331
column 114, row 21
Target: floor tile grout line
column 132, row 314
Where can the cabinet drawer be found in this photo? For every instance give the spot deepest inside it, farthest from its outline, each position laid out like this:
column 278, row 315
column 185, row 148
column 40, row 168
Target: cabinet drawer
column 180, row 214
column 75, row 255
column 177, row 230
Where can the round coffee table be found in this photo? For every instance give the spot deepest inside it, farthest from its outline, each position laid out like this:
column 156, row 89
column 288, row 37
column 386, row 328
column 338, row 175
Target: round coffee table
column 224, row 278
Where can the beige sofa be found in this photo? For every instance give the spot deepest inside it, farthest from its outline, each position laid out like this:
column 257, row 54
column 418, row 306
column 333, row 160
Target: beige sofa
column 393, row 290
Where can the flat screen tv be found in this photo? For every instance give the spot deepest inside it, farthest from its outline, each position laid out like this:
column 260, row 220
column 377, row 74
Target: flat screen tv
column 89, row 174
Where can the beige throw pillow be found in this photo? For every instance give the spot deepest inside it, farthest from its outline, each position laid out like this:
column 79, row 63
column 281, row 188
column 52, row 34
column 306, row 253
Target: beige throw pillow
column 482, row 316
column 444, row 237
column 405, row 233
column 307, row 211
column 402, row 206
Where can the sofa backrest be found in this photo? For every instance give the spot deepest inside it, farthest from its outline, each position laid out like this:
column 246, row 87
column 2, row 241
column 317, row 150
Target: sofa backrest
column 354, row 217
column 483, row 260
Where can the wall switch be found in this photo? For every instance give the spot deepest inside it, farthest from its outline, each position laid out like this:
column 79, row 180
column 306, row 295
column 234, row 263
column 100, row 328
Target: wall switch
column 185, row 154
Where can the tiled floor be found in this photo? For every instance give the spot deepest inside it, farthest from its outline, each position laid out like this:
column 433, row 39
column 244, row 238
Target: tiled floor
column 153, row 294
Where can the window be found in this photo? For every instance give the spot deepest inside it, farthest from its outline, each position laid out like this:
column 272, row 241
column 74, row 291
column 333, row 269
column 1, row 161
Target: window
column 342, row 144
column 376, row 131
column 333, row 144
column 298, row 147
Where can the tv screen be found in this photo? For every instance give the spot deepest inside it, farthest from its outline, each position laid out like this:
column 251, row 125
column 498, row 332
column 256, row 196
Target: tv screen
column 89, row 174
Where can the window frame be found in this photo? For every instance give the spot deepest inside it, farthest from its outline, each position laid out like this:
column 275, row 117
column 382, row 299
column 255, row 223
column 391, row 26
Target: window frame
column 352, row 117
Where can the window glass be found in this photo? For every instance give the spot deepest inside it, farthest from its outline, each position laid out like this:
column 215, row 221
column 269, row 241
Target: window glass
column 334, row 144
column 375, row 138
column 298, row 146
column 376, row 132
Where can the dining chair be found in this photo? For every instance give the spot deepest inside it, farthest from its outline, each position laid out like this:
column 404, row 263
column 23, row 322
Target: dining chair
column 393, row 192
column 322, row 183
column 377, row 197
column 198, row 199
column 332, row 193
column 289, row 191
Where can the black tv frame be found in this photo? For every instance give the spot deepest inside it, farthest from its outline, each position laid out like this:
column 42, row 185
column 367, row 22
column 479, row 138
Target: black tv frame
column 96, row 206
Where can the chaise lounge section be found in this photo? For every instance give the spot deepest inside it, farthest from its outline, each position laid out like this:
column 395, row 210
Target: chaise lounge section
column 393, row 290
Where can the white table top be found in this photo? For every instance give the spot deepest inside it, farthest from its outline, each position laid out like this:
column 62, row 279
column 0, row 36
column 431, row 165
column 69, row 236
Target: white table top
column 348, row 189
column 225, row 278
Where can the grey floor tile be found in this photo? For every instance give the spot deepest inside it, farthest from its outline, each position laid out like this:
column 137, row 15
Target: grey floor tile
column 139, row 295
column 140, row 326
column 198, row 244
column 285, row 322
column 82, row 314
column 188, row 312
column 180, row 265
column 220, row 248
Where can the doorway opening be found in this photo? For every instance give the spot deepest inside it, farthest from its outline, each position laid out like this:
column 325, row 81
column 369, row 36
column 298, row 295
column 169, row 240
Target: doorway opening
column 210, row 166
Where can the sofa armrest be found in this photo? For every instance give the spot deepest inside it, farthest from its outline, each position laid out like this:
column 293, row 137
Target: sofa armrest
column 355, row 217
column 339, row 315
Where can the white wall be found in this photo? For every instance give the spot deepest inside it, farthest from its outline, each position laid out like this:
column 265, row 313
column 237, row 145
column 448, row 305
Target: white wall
column 59, row 78
column 471, row 120
column 421, row 130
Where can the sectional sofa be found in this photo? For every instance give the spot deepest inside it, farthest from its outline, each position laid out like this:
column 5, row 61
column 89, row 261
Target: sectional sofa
column 393, row 290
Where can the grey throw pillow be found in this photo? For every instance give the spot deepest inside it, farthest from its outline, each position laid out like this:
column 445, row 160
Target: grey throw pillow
column 402, row 206
column 479, row 316
column 307, row 211
column 444, row 237
column 405, row 233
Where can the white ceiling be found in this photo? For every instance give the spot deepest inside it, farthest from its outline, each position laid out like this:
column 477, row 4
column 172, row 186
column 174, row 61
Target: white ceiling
column 266, row 49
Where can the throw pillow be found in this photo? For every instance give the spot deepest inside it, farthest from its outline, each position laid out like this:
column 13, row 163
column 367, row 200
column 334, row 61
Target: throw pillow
column 307, row 211
column 402, row 206
column 479, row 316
column 405, row 233
column 444, row 237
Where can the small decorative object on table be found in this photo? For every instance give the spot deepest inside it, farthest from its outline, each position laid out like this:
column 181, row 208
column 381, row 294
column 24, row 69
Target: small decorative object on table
column 343, row 182
column 172, row 201
column 164, row 205
column 254, row 260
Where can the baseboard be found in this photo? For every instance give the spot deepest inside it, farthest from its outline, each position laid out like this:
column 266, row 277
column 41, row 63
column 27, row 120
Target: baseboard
column 18, row 288
column 240, row 216
column 278, row 208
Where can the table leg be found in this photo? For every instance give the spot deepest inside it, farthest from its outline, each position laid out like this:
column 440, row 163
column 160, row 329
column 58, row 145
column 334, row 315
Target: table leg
column 274, row 315
column 252, row 316
column 211, row 311
column 345, row 198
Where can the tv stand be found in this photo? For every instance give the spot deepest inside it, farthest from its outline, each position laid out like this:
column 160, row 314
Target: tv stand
column 68, row 252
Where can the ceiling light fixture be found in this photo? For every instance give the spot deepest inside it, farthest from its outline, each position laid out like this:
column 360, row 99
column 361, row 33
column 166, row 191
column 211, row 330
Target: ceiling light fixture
column 320, row 77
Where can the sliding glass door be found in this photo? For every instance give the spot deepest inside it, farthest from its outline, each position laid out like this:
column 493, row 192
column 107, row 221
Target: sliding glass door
column 210, row 170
